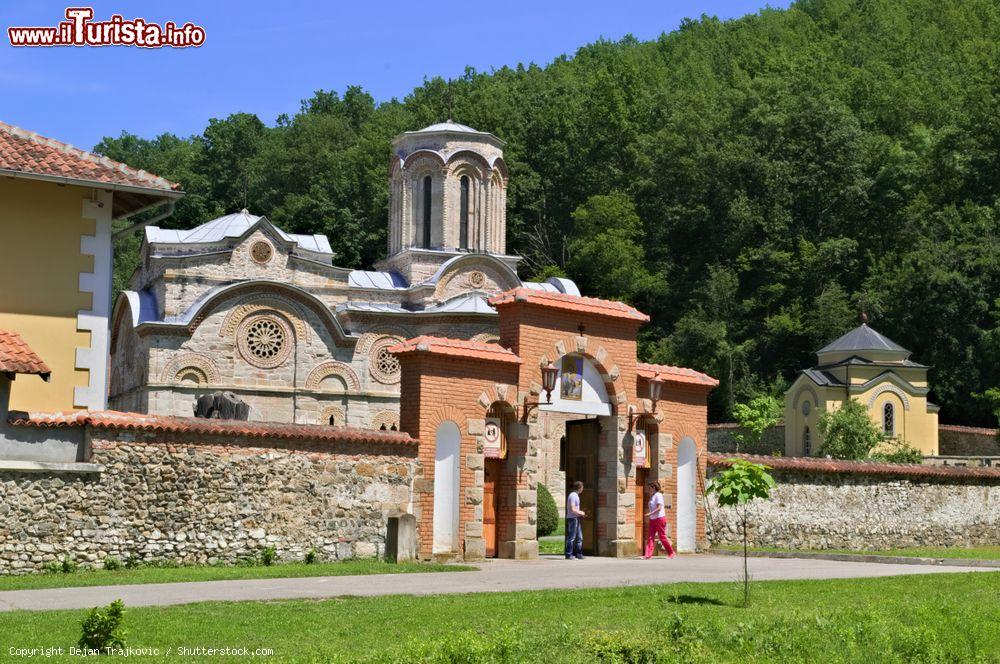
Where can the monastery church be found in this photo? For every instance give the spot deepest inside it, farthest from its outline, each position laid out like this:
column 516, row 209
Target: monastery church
column 238, row 304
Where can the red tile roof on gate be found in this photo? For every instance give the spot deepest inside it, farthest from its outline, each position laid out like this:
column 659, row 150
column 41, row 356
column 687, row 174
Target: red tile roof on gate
column 110, row 419
column 476, row 350
column 675, row 374
column 575, row 303
column 16, row 357
column 817, row 465
column 27, row 152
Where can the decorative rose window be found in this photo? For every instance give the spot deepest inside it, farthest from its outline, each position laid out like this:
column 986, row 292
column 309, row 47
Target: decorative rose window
column 261, row 251
column 384, row 366
column 264, row 341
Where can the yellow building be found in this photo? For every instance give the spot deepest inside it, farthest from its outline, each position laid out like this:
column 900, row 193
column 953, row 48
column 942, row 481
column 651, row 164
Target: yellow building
column 57, row 207
column 875, row 371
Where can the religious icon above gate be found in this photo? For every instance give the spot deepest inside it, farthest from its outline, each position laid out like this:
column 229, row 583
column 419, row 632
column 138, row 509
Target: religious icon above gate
column 571, row 378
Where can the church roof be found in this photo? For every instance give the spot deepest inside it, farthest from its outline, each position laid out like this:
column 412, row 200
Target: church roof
column 449, row 125
column 469, row 303
column 230, row 226
column 862, row 338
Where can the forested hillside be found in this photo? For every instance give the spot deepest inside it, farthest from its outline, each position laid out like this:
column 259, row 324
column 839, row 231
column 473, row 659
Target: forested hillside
column 751, row 184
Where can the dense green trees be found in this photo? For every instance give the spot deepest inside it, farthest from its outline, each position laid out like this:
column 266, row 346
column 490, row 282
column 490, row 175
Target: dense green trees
column 750, row 184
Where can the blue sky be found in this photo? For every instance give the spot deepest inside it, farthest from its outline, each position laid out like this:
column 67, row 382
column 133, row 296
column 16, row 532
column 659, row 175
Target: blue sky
column 264, row 58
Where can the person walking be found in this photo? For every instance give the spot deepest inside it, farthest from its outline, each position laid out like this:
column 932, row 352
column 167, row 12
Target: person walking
column 657, row 516
column 574, row 523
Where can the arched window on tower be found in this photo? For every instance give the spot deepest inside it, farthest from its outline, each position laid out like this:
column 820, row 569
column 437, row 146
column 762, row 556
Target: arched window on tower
column 425, row 240
column 889, row 419
column 463, row 219
column 806, row 443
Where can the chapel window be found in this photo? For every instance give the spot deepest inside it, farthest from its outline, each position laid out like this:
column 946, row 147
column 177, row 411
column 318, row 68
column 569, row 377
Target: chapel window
column 463, row 219
column 806, row 443
column 889, row 419
column 426, row 239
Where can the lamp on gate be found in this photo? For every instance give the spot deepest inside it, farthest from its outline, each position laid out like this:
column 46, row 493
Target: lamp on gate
column 655, row 387
column 550, row 373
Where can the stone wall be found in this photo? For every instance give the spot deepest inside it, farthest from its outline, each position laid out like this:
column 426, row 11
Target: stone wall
column 967, row 441
column 721, row 440
column 200, row 499
column 820, row 504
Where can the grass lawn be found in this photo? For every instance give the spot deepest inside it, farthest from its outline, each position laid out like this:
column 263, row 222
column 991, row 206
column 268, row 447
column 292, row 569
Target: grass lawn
column 928, row 618
column 215, row 573
column 981, row 552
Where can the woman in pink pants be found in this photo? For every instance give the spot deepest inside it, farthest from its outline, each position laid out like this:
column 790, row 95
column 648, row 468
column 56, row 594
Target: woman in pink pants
column 657, row 516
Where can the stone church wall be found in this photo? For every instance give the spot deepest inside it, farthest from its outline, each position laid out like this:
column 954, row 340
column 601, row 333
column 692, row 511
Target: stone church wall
column 189, row 499
column 837, row 508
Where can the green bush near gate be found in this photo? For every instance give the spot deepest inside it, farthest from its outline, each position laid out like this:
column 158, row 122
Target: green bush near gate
column 548, row 513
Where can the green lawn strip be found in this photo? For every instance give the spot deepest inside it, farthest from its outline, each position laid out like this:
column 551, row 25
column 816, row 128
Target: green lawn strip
column 928, row 618
column 215, row 573
column 976, row 553
column 552, row 545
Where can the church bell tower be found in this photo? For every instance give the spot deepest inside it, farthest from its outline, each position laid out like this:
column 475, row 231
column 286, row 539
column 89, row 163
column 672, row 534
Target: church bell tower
column 448, row 196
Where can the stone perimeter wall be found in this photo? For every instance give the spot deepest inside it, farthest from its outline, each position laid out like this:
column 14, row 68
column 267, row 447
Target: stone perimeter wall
column 813, row 510
column 162, row 499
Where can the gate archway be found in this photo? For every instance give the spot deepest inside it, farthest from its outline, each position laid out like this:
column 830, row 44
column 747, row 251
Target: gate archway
column 687, row 518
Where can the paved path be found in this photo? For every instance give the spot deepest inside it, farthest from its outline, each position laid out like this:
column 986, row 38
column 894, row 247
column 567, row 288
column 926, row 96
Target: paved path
column 493, row 576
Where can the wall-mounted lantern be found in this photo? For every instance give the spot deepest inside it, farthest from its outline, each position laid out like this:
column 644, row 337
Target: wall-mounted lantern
column 550, row 373
column 655, row 387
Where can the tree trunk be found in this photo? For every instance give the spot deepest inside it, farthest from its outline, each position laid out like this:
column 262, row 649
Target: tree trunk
column 746, row 569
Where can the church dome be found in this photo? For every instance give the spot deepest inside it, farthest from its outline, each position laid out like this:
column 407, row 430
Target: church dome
column 449, row 125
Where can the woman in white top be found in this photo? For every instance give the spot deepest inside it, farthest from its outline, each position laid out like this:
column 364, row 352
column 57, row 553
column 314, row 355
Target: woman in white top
column 657, row 516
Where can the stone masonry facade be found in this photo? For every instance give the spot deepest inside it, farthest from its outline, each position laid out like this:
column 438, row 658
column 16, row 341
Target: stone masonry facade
column 183, row 499
column 906, row 507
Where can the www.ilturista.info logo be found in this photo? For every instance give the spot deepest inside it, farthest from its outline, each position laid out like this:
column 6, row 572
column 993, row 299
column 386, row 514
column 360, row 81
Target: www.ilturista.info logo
column 80, row 30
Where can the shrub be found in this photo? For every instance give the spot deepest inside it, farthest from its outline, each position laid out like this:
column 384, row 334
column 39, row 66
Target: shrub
column 102, row 628
column 622, row 648
column 848, row 432
column 68, row 565
column 548, row 514
column 898, row 451
column 311, row 556
column 112, row 564
column 268, row 555
column 132, row 561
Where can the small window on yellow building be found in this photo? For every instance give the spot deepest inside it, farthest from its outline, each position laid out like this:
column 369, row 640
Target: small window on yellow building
column 889, row 419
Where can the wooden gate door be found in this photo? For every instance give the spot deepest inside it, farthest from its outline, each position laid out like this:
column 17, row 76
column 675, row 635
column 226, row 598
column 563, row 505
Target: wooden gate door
column 491, row 477
column 641, row 525
column 581, row 464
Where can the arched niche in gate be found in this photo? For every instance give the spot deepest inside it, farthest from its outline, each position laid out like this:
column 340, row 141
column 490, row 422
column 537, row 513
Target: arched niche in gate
column 447, row 444
column 687, row 505
column 579, row 388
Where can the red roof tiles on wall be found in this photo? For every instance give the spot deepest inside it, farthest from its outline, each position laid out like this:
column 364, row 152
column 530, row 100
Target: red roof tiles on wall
column 575, row 303
column 28, row 152
column 675, row 374
column 817, row 465
column 110, row 419
column 16, row 357
column 457, row 348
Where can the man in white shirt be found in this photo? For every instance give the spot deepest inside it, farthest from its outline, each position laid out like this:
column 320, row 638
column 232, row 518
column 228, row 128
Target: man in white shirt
column 574, row 523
